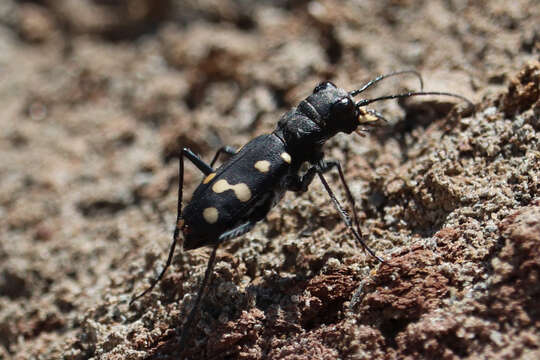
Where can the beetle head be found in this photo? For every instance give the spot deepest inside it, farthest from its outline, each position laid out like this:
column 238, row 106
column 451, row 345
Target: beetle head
column 336, row 108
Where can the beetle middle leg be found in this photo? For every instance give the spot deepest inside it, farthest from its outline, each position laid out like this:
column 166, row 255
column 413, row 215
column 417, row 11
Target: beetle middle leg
column 237, row 231
column 229, row 150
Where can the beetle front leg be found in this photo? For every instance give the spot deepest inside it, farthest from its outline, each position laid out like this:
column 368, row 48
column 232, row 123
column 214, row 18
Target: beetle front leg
column 345, row 217
column 300, row 184
column 326, row 166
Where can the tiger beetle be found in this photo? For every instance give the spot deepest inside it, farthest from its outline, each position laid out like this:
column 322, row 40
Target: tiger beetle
column 232, row 198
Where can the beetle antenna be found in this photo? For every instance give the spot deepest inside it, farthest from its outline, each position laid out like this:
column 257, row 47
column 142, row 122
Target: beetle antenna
column 365, row 102
column 381, row 77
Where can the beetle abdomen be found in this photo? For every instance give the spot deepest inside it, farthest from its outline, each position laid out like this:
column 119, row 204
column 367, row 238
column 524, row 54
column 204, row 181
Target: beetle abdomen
column 230, row 195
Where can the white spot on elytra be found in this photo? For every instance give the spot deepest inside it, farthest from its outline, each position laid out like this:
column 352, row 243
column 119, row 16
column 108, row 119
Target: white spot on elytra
column 210, row 214
column 241, row 190
column 262, row 165
column 286, row 157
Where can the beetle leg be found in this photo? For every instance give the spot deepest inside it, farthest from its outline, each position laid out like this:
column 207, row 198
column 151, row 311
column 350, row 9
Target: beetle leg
column 237, row 231
column 345, row 217
column 202, row 288
column 176, row 235
column 326, row 166
column 300, row 184
column 197, row 161
column 225, row 150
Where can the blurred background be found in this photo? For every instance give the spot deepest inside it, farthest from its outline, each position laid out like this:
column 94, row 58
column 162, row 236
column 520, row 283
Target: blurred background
column 97, row 97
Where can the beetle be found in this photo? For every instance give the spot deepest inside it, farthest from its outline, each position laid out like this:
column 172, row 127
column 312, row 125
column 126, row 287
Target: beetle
column 231, row 199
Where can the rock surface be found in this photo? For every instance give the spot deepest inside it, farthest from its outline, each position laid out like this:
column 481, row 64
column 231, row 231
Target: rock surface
column 98, row 96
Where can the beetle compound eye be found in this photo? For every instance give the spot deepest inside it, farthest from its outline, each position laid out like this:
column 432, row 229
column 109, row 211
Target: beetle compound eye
column 343, row 106
column 322, row 86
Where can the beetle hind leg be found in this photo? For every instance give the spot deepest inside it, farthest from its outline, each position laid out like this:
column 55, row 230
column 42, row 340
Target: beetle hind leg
column 206, row 169
column 191, row 317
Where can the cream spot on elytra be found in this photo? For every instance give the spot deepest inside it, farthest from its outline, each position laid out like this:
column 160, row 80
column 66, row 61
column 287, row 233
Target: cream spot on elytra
column 262, row 165
column 209, row 178
column 241, row 190
column 210, row 214
column 221, row 186
column 286, row 157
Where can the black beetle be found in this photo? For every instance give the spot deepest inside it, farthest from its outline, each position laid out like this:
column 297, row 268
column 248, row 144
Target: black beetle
column 232, row 198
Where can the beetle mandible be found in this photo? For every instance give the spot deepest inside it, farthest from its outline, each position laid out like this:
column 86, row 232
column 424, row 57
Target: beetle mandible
column 232, row 198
